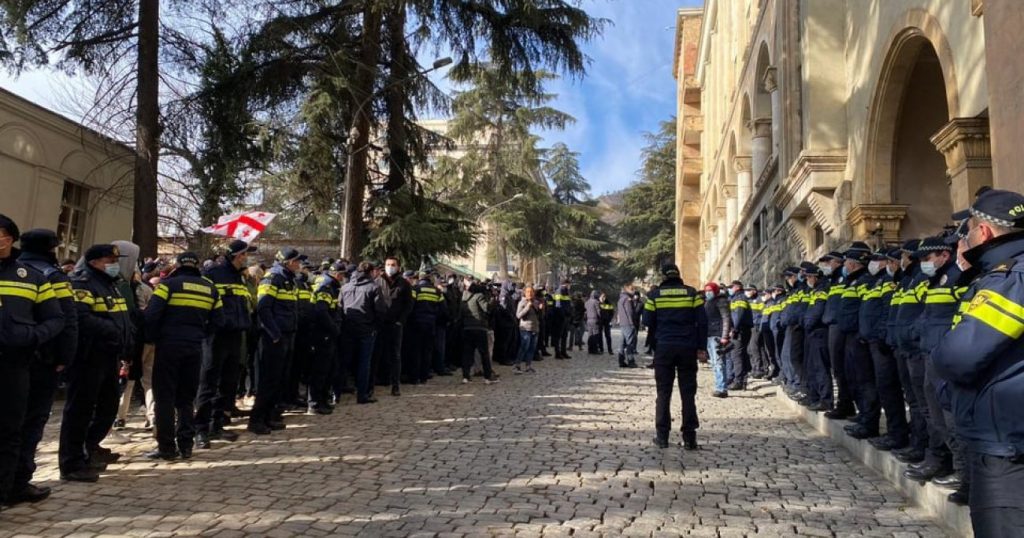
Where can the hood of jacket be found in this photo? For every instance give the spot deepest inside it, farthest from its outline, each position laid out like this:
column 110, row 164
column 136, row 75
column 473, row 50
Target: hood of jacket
column 130, row 262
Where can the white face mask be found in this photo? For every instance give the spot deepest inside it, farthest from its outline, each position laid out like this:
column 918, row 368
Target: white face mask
column 891, row 270
column 874, row 267
column 929, row 268
column 709, row 295
column 751, row 294
column 391, row 270
column 826, row 268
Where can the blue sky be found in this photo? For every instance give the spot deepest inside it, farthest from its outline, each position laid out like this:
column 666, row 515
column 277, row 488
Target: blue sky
column 628, row 89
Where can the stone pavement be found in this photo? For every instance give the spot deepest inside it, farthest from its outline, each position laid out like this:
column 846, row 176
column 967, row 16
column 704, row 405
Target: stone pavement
column 564, row 452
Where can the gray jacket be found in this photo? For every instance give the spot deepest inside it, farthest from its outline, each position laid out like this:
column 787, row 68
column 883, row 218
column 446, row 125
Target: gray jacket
column 593, row 309
column 528, row 316
column 627, row 309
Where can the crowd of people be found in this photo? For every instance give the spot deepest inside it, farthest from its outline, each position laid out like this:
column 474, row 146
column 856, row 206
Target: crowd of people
column 926, row 334
column 204, row 343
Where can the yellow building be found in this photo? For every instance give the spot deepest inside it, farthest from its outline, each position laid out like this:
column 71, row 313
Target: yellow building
column 57, row 174
column 805, row 124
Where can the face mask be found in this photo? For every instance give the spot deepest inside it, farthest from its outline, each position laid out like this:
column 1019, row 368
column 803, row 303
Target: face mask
column 709, row 295
column 846, row 272
column 730, row 292
column 928, row 268
column 751, row 294
column 801, row 278
column 391, row 270
column 451, row 281
column 112, row 270
column 874, row 267
column 891, row 270
column 826, row 269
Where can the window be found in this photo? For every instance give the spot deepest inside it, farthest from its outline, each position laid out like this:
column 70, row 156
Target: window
column 758, row 235
column 71, row 223
column 819, row 237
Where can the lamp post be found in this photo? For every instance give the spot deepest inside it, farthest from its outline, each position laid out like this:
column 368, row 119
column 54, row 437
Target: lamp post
column 352, row 212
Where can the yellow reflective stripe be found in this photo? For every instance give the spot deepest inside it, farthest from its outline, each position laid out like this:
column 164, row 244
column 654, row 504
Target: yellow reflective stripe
column 11, row 291
column 62, row 290
column 162, row 291
column 676, row 302
column 267, row 289
column 735, row 305
column 193, row 297
column 836, row 289
column 988, row 314
column 102, row 307
column 16, row 284
column 759, row 307
column 649, row 305
column 190, row 303
column 45, row 293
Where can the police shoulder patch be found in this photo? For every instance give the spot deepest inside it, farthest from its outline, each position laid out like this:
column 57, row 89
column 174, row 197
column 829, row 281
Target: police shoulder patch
column 942, row 281
column 82, row 294
column 1005, row 266
column 22, row 272
column 979, row 300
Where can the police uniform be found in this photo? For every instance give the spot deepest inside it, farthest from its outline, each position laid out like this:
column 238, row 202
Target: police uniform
column 105, row 333
column 775, row 329
column 860, row 370
column 37, row 253
column 982, row 359
column 605, row 325
column 561, row 318
column 818, row 384
column 843, row 406
column 791, row 321
column 325, row 330
column 675, row 313
column 298, row 367
column 277, row 311
column 30, row 316
column 742, row 324
column 185, row 309
column 218, row 380
column 756, row 351
column 427, row 304
column 871, row 325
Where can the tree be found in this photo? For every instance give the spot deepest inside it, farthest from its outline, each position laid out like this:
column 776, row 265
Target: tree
column 562, row 168
column 648, row 229
column 90, row 35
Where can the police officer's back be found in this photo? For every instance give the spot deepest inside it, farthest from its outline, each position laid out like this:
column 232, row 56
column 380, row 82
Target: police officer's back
column 675, row 314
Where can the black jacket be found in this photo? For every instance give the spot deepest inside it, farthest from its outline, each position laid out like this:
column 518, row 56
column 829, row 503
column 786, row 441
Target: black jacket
column 234, row 295
column 30, row 314
column 398, row 296
column 675, row 314
column 105, row 329
column 477, row 309
column 276, row 305
column 184, row 310
column 326, row 314
column 61, row 349
column 719, row 317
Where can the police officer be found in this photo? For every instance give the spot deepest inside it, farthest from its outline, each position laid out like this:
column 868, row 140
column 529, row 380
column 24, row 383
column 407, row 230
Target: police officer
column 860, row 371
column 871, row 326
column 816, row 359
column 562, row 317
column 325, row 333
column 940, row 299
column 904, row 309
column 791, row 320
column 742, row 324
column 105, row 332
column 427, row 304
column 277, row 311
column 675, row 312
column 758, row 357
column 52, row 357
column 776, row 334
column 30, row 316
column 185, row 310
column 982, row 359
column 218, row 380
column 831, row 265
column 298, row 367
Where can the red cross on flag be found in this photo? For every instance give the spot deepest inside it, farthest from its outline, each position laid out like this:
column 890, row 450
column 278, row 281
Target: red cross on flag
column 246, row 226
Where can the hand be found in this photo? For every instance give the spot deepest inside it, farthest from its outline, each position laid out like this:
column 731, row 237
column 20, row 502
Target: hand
column 724, row 341
column 702, row 356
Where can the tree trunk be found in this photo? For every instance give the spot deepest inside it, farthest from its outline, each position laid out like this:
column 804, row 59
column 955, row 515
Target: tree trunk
column 363, row 88
column 147, row 129
column 398, row 165
column 501, row 250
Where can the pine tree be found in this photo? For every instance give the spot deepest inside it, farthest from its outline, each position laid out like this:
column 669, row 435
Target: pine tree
column 648, row 229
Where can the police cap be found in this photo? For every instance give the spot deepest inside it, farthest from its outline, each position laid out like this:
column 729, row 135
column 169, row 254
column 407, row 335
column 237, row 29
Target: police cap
column 188, row 258
column 879, row 255
column 858, row 252
column 834, row 255
column 810, row 268
column 238, row 246
column 670, row 270
column 932, row 244
column 791, row 271
column 1000, row 207
column 39, row 241
column 287, row 255
column 8, row 225
column 910, row 246
column 104, row 250
column 409, row 274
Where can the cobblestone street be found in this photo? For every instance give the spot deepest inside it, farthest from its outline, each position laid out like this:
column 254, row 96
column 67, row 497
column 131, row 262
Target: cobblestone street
column 566, row 451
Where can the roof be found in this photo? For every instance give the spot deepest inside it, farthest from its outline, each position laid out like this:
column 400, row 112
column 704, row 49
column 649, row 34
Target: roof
column 61, row 120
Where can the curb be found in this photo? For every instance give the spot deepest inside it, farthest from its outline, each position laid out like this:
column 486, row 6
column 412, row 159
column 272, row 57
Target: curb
column 930, row 497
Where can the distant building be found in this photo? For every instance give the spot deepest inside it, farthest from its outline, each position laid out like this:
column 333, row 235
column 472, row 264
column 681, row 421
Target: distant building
column 58, row 174
column 804, row 125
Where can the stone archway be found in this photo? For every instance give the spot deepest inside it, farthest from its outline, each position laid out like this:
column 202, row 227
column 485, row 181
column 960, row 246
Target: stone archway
column 906, row 188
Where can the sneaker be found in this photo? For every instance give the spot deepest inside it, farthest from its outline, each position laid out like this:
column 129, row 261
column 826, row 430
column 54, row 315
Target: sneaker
column 119, row 424
column 491, row 381
column 465, row 381
column 517, row 371
column 531, row 370
column 202, row 440
column 161, row 455
column 720, row 394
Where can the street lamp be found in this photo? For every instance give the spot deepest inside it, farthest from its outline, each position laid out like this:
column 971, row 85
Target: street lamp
column 517, row 196
column 352, row 207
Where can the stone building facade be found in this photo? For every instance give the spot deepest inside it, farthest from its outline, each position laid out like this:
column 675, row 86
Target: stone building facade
column 805, row 124
column 57, row 174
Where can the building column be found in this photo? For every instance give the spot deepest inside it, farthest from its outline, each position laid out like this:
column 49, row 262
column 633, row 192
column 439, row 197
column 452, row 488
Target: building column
column 760, row 146
column 744, row 179
column 771, row 86
column 731, row 209
column 965, row 144
column 1004, row 69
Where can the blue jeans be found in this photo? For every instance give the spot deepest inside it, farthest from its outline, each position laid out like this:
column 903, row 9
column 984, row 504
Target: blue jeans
column 527, row 348
column 360, row 349
column 628, row 350
column 720, row 366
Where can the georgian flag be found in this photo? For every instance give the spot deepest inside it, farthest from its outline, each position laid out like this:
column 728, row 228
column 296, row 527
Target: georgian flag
column 246, row 226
